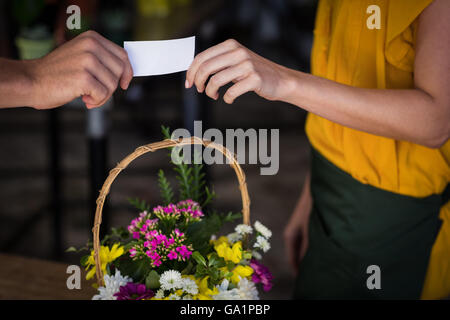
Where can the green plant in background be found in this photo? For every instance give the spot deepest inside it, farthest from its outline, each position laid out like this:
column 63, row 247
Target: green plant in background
column 26, row 12
column 35, row 39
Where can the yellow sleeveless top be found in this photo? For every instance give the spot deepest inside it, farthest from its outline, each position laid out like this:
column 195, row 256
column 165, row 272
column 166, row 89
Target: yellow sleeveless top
column 347, row 51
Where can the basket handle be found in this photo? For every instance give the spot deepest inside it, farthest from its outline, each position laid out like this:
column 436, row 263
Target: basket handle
column 168, row 143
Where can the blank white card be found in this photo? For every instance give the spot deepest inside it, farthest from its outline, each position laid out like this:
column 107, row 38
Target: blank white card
column 149, row 58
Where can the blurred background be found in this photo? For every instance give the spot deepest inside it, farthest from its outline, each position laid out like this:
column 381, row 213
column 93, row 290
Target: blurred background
column 54, row 162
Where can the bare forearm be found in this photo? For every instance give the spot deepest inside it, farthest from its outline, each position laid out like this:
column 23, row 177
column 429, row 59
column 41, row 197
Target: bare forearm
column 409, row 114
column 16, row 87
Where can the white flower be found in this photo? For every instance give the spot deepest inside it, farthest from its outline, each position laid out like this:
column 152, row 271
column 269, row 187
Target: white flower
column 223, row 286
column 265, row 232
column 189, row 286
column 213, row 237
column 262, row 243
column 243, row 229
column 256, row 255
column 234, row 237
column 159, row 294
column 247, row 290
column 224, row 293
column 170, row 279
column 112, row 286
column 174, row 296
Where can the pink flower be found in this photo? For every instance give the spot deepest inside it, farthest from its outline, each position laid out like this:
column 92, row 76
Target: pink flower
column 170, row 242
column 157, row 263
column 184, row 252
column 172, row 255
column 160, row 238
column 178, row 233
column 136, row 235
column 132, row 252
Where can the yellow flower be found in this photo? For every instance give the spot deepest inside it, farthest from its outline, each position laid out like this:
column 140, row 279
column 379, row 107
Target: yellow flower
column 200, row 296
column 233, row 254
column 240, row 271
column 204, row 292
column 221, row 240
column 106, row 256
column 179, row 292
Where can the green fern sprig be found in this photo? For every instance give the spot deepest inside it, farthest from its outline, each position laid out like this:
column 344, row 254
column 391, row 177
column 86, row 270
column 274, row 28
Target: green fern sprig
column 165, row 188
column 141, row 205
column 185, row 180
column 191, row 178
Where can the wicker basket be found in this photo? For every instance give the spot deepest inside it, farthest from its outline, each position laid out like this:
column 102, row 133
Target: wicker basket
column 151, row 148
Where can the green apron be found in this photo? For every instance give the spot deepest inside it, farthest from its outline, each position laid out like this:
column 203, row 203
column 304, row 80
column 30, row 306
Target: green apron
column 353, row 226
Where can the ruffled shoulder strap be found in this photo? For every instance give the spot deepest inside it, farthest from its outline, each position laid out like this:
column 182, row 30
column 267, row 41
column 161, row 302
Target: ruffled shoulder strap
column 400, row 32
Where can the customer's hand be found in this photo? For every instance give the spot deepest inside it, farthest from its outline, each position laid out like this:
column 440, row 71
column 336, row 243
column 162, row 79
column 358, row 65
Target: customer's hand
column 228, row 62
column 89, row 66
column 296, row 231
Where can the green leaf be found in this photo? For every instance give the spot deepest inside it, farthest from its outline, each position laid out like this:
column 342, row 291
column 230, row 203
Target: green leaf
column 152, row 280
column 136, row 269
column 247, row 255
column 230, row 265
column 165, row 188
column 199, row 233
column 198, row 178
column 230, row 217
column 84, row 259
column 71, row 249
column 184, row 177
column 129, row 245
column 166, row 132
column 199, row 258
column 139, row 204
column 209, row 196
column 188, row 268
column 120, row 233
column 191, row 178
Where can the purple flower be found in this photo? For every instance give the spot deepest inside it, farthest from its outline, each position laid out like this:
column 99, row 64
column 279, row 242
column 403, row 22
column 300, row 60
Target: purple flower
column 134, row 291
column 261, row 274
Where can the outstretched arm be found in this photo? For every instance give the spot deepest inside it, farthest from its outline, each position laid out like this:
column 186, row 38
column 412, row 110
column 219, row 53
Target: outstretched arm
column 89, row 66
column 420, row 115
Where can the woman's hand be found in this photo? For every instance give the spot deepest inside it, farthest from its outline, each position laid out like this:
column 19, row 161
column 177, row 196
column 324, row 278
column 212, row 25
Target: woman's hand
column 228, row 62
column 296, row 231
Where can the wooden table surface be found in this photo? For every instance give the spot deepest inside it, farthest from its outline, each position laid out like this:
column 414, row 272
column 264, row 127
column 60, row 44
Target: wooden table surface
column 29, row 279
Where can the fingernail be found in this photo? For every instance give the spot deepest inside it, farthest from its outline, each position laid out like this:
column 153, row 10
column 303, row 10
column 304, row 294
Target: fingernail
column 186, row 84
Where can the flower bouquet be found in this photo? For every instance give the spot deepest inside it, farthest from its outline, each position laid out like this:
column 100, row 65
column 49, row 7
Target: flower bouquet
column 172, row 251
